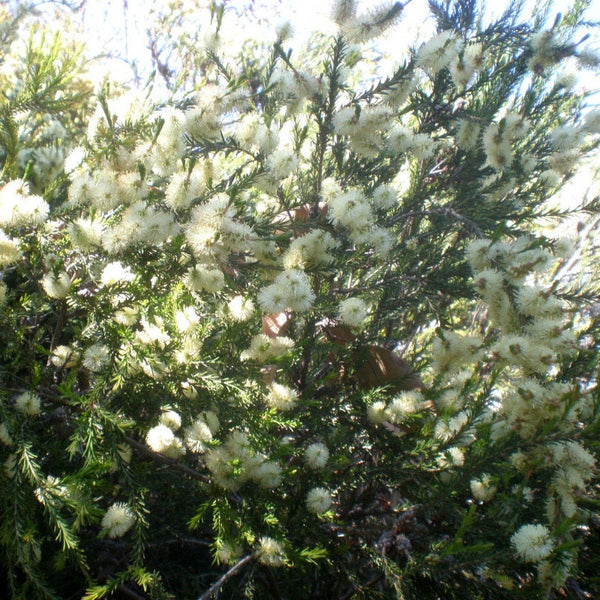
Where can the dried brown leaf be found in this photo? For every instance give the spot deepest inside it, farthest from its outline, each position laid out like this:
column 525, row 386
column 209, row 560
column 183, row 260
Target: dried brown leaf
column 384, row 368
column 275, row 324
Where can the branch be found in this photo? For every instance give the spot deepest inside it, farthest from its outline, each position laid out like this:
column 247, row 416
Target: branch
column 213, row 589
column 181, row 540
column 166, row 460
column 60, row 323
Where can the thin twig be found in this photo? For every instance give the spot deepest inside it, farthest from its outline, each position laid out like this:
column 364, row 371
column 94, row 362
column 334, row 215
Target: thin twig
column 190, row 541
column 213, row 589
column 60, row 323
column 166, row 460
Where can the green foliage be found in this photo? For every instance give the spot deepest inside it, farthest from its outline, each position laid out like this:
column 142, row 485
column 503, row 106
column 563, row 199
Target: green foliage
column 295, row 331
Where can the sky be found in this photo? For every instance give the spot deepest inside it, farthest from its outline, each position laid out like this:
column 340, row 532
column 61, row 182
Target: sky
column 119, row 26
column 126, row 34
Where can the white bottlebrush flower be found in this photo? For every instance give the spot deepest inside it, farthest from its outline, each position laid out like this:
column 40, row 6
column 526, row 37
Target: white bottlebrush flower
column 115, row 273
column 452, row 351
column 478, row 254
column 385, row 196
column 362, row 124
column 5, row 435
column 128, row 315
column 203, row 279
column 171, row 419
column 170, row 144
column 161, row 439
column 482, row 488
column 81, row 188
column 311, row 250
column 197, row 436
column 268, row 474
column 188, row 351
column 562, row 163
column 343, row 11
column 281, row 396
column 74, row 159
column 374, row 22
column 203, row 120
column 270, row 552
column 281, row 163
column 451, row 399
column 532, row 543
column 289, row 291
column 240, row 308
column 153, row 332
column 422, row 146
column 545, row 51
column 118, row 520
column 520, row 350
column 316, row 455
column 186, row 319
column 86, row 234
column 565, row 137
column 28, row 403
column 438, row 52
column 451, row 457
column 184, row 188
column 353, row 312
column 535, row 301
column 497, row 147
column 96, row 357
column 350, row 210
column 591, row 123
column 104, row 193
column 56, row 286
column 11, row 465
column 575, row 455
column 467, row 134
column 400, row 138
column 9, row 249
column 378, row 238
column 376, row 412
column 226, row 553
column 330, row 189
column 219, row 462
column 462, row 69
column 203, row 231
column 397, row 95
column 406, row 403
column 253, row 132
column 18, row 207
column 263, row 348
column 447, row 429
column 489, row 282
column 318, row 500
column 515, row 125
column 212, row 420
column 63, row 356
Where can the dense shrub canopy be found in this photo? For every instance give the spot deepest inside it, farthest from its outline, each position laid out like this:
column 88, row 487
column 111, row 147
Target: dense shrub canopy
column 288, row 324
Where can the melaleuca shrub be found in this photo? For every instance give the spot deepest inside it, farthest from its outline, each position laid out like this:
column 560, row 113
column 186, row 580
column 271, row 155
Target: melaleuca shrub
column 299, row 328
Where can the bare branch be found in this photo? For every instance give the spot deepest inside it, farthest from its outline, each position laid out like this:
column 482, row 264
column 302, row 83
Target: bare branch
column 166, row 460
column 210, row 592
